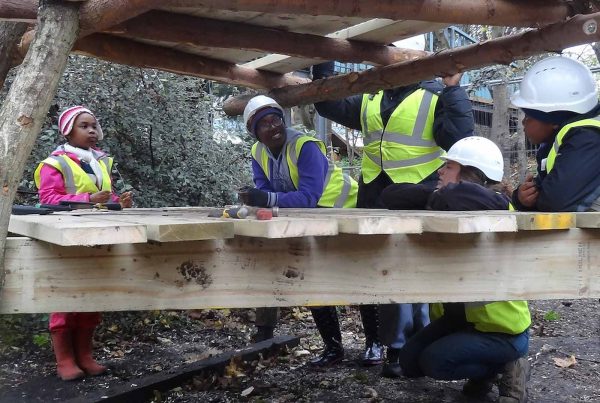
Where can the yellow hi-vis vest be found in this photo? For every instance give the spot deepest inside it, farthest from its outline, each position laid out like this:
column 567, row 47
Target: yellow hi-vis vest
column 339, row 189
column 511, row 317
column 405, row 148
column 595, row 122
column 76, row 179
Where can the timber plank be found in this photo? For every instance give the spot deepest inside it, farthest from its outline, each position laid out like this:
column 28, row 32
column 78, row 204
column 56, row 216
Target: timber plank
column 465, row 224
column 309, row 271
column 68, row 230
column 588, row 219
column 373, row 225
column 285, row 227
column 161, row 228
column 545, row 221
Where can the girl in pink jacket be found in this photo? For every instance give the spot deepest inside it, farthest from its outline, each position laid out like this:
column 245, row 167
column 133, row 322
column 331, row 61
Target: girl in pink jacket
column 77, row 171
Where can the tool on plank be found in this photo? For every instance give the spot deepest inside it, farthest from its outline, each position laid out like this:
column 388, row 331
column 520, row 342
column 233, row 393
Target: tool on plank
column 79, row 205
column 65, row 205
column 260, row 213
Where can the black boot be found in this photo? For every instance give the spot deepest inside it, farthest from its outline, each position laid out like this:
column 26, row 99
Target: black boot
column 328, row 325
column 479, row 388
column 373, row 354
column 391, row 367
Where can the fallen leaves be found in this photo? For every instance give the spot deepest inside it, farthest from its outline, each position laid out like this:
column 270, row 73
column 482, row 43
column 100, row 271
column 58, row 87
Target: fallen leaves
column 568, row 362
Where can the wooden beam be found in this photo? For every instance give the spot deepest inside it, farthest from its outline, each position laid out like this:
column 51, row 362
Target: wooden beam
column 10, row 35
column 96, row 15
column 67, row 230
column 19, row 10
column 578, row 30
column 179, row 28
column 26, row 105
column 338, row 270
column 128, row 52
column 490, row 12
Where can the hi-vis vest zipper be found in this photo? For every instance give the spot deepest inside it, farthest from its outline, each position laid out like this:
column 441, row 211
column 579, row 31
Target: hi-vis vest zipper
column 339, row 189
column 405, row 148
column 76, row 179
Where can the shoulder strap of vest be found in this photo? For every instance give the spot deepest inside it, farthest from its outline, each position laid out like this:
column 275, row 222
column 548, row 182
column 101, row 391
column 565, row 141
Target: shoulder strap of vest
column 60, row 162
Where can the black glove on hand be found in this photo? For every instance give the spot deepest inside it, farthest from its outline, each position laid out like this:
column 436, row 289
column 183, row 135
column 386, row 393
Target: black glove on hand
column 258, row 198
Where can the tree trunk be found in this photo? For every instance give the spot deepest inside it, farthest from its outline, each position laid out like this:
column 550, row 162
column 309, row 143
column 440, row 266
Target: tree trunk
column 29, row 98
column 578, row 30
column 10, row 34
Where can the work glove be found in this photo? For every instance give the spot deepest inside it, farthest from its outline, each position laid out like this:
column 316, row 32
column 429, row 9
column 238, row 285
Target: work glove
column 257, row 197
column 323, row 70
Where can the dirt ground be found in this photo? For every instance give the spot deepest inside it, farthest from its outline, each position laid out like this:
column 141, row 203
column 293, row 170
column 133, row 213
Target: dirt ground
column 564, row 352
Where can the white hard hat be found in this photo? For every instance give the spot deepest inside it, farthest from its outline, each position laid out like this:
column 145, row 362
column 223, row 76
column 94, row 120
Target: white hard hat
column 557, row 84
column 480, row 153
column 255, row 104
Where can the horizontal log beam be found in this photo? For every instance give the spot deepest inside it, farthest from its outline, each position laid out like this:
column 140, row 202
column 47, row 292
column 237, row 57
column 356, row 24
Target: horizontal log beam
column 19, row 10
column 131, row 53
column 334, row 270
column 94, row 15
column 179, row 28
column 490, row 12
column 555, row 37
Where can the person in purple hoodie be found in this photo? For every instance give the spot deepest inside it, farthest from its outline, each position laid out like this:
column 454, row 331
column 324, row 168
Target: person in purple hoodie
column 291, row 169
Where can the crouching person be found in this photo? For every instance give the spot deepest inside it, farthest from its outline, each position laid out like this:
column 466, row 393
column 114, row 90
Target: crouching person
column 473, row 340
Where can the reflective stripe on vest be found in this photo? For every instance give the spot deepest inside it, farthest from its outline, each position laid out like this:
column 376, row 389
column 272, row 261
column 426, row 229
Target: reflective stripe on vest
column 405, row 149
column 76, row 179
column 339, row 189
column 595, row 122
column 511, row 317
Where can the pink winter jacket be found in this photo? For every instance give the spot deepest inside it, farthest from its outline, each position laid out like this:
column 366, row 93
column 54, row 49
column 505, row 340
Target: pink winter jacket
column 52, row 185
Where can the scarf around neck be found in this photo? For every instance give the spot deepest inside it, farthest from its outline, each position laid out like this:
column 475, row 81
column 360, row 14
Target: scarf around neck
column 88, row 156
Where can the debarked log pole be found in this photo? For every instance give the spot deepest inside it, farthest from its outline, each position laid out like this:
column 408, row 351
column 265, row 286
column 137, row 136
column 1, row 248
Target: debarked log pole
column 490, row 12
column 26, row 105
column 552, row 38
column 132, row 53
column 179, row 28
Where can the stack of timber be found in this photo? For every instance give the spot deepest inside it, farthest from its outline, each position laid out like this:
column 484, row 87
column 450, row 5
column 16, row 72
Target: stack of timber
column 179, row 258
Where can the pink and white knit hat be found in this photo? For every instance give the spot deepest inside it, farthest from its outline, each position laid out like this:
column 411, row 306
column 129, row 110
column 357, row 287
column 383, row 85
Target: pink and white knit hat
column 67, row 119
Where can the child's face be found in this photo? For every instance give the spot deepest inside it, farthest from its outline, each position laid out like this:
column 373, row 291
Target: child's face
column 449, row 173
column 538, row 132
column 85, row 132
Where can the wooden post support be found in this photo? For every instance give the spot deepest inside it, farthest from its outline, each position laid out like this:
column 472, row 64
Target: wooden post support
column 10, row 34
column 578, row 30
column 499, row 132
column 28, row 100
